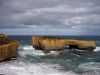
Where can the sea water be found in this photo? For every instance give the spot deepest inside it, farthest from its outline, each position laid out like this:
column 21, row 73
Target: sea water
column 66, row 62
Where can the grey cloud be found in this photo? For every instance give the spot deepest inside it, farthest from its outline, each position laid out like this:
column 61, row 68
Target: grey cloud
column 67, row 14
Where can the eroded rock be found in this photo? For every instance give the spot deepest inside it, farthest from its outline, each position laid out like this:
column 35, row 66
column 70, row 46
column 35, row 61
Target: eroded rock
column 48, row 44
column 8, row 48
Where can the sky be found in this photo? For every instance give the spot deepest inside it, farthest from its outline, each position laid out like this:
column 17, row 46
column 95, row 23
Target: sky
column 50, row 17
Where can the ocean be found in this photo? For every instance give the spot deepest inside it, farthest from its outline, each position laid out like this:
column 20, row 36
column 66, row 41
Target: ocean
column 66, row 62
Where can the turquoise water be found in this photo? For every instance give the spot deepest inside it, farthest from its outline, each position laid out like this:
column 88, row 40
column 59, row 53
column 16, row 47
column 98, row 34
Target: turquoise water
column 66, row 62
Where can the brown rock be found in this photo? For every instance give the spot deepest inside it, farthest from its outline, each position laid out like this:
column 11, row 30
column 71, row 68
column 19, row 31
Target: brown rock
column 8, row 48
column 13, row 48
column 48, row 44
column 4, row 53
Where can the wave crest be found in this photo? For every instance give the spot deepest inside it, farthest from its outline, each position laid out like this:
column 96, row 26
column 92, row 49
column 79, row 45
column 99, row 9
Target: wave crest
column 97, row 49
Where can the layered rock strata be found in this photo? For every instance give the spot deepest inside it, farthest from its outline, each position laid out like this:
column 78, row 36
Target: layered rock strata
column 8, row 48
column 48, row 44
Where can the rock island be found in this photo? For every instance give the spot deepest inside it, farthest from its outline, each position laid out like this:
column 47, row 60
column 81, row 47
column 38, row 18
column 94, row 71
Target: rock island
column 47, row 44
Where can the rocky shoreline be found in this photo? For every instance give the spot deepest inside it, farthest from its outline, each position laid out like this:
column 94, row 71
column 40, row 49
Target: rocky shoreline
column 9, row 47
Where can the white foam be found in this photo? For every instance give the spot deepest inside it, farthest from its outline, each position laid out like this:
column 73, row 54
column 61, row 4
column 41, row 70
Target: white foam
column 91, row 68
column 27, row 68
column 26, row 50
column 54, row 52
column 97, row 49
column 22, row 68
column 30, row 50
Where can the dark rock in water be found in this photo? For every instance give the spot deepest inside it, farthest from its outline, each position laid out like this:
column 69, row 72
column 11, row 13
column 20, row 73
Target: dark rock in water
column 48, row 44
column 8, row 48
column 73, row 47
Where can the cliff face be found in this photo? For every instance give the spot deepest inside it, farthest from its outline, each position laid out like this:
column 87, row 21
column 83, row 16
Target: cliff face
column 48, row 44
column 8, row 48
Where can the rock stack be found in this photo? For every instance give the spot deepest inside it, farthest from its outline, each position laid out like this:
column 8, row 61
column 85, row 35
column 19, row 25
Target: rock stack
column 48, row 44
column 8, row 48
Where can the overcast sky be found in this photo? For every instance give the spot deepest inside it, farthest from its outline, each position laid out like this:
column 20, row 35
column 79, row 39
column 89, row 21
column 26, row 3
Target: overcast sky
column 60, row 17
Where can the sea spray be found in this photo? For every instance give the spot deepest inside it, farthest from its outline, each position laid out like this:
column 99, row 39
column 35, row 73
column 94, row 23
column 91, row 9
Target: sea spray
column 97, row 49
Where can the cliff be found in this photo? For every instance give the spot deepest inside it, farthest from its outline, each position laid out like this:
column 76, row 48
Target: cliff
column 48, row 44
column 8, row 48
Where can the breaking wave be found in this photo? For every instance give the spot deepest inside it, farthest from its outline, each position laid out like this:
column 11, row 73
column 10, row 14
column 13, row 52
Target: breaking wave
column 17, row 67
column 23, row 68
column 23, row 65
column 29, row 50
column 97, row 49
column 91, row 68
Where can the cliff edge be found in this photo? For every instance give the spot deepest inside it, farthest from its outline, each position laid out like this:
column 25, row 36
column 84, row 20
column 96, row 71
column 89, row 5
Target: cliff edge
column 8, row 47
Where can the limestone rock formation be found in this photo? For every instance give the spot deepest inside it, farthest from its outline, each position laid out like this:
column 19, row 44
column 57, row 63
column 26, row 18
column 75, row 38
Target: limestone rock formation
column 8, row 48
column 48, row 44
